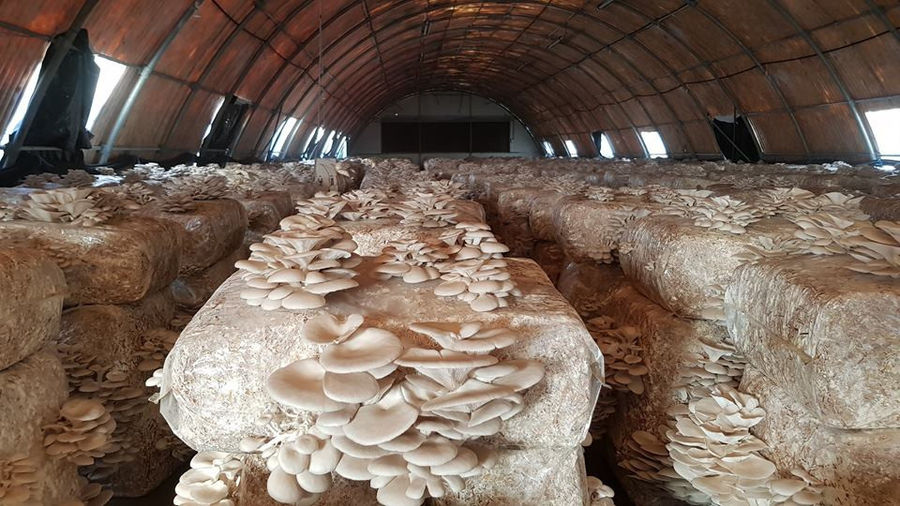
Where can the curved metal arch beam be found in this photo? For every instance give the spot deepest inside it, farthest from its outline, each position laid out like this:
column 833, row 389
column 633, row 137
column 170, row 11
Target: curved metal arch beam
column 842, row 86
column 374, row 90
column 774, row 85
column 619, row 79
column 469, row 89
column 220, row 51
column 143, row 77
column 385, row 95
column 437, row 90
column 388, row 94
column 661, row 25
column 406, row 87
column 377, row 97
column 879, row 13
column 537, row 49
column 437, row 7
column 365, row 83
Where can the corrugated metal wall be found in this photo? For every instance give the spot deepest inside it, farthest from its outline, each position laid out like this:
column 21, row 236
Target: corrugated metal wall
column 803, row 71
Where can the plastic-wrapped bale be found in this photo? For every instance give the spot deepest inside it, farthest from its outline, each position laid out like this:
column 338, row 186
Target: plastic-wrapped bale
column 193, row 290
column 857, row 467
column 343, row 492
column 880, row 208
column 540, row 217
column 33, row 288
column 670, row 347
column 527, row 477
column 685, row 268
column 211, row 231
column 263, row 214
column 216, row 374
column 585, row 285
column 105, row 345
column 118, row 262
column 33, row 391
column 115, row 333
column 590, row 230
column 827, row 334
column 513, row 207
column 159, row 455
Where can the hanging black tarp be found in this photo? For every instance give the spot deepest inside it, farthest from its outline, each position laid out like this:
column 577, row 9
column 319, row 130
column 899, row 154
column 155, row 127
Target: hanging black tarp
column 62, row 114
column 735, row 139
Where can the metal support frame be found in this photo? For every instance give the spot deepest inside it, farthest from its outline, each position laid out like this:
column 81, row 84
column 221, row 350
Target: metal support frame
column 47, row 76
column 143, row 77
column 854, row 110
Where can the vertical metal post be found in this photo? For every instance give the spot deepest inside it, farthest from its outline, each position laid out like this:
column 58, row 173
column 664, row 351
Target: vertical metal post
column 144, row 76
column 47, row 76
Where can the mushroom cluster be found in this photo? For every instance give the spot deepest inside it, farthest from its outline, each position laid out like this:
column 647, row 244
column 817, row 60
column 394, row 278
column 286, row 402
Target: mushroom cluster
column 400, row 417
column 711, row 446
column 600, row 194
column 212, row 480
column 90, row 494
column 156, row 345
column 647, row 459
column 445, row 187
column 82, row 432
column 67, row 205
column 112, row 387
column 622, row 358
column 296, row 267
column 726, row 214
column 874, row 247
column 427, row 210
column 414, row 261
column 476, row 272
column 199, row 186
column 368, row 204
column 325, row 204
column 178, row 203
column 599, row 493
column 19, row 479
column 719, row 364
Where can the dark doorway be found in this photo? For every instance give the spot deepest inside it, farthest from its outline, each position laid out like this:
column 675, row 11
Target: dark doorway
column 735, row 139
column 445, row 137
column 224, row 130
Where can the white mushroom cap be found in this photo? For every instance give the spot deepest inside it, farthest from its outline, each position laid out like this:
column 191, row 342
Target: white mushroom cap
column 471, row 392
column 299, row 385
column 394, row 493
column 381, row 422
column 302, row 299
column 353, row 468
column 326, row 328
column 325, row 459
column 353, row 387
column 283, row 487
column 435, row 451
column 527, row 374
column 437, row 359
column 369, row 348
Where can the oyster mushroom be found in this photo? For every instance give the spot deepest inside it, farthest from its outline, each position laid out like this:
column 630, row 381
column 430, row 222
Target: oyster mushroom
column 369, row 348
column 299, row 385
column 383, row 421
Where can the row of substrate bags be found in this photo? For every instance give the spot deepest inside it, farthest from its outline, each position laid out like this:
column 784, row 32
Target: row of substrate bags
column 239, row 346
column 119, row 325
column 825, row 335
column 32, row 380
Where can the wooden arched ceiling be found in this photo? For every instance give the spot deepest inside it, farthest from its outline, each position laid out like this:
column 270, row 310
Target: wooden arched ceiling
column 803, row 71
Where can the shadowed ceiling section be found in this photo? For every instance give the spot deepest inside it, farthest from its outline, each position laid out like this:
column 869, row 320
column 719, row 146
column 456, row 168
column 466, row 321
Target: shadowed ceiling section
column 804, row 72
